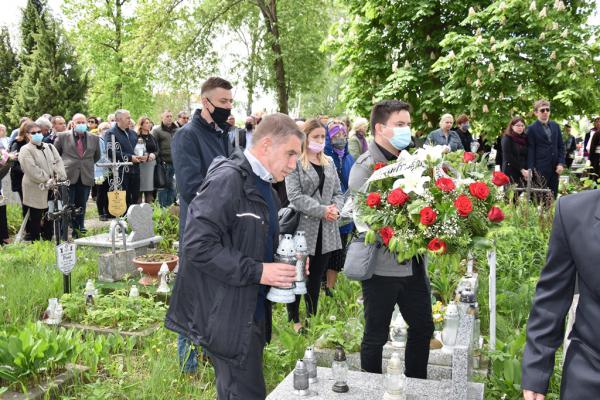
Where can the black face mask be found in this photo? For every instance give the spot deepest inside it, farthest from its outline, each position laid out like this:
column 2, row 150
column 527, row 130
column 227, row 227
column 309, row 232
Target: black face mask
column 249, row 126
column 219, row 115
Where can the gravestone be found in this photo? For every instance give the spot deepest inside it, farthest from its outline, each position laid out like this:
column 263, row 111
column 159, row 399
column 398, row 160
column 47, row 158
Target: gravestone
column 140, row 238
column 139, row 217
column 367, row 386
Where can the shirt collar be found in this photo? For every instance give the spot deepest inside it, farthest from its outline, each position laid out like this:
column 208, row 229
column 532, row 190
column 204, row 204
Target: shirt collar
column 257, row 167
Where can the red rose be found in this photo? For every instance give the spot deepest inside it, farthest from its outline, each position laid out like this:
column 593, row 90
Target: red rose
column 428, row 216
column 468, row 156
column 445, row 184
column 378, row 165
column 373, row 200
column 397, row 197
column 463, row 205
column 495, row 214
column 386, row 234
column 437, row 246
column 500, row 179
column 479, row 190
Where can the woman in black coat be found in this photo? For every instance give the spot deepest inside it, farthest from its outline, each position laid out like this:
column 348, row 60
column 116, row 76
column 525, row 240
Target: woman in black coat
column 514, row 151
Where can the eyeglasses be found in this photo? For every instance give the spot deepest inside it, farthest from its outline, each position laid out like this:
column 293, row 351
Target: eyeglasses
column 91, row 122
column 544, row 110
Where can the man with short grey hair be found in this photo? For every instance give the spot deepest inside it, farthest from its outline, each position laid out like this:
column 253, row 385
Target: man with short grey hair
column 46, row 128
column 127, row 140
column 79, row 150
column 228, row 248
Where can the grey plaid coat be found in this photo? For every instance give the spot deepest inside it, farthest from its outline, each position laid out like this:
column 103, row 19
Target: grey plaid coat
column 300, row 184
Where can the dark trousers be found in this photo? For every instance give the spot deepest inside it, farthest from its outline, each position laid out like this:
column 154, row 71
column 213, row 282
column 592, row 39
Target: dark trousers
column 168, row 194
column 37, row 229
column 3, row 225
column 102, row 198
column 24, row 209
column 78, row 197
column 131, row 184
column 381, row 294
column 246, row 383
column 317, row 266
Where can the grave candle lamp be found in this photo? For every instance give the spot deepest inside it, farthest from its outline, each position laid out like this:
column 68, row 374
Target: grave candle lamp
column 451, row 321
column 163, row 287
column 301, row 379
column 285, row 254
column 398, row 331
column 394, row 380
column 311, row 364
column 89, row 293
column 301, row 256
column 340, row 371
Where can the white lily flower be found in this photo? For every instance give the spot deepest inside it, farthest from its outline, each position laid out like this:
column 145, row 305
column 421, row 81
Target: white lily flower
column 432, row 153
column 413, row 181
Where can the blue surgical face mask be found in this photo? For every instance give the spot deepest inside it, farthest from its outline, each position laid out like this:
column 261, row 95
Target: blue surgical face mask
column 37, row 138
column 81, row 128
column 466, row 126
column 401, row 138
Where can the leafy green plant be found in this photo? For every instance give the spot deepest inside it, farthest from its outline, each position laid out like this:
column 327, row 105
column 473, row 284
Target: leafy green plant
column 114, row 310
column 166, row 222
column 35, row 351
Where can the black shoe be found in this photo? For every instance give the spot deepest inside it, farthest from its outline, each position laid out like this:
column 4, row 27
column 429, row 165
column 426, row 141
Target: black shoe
column 103, row 218
column 328, row 292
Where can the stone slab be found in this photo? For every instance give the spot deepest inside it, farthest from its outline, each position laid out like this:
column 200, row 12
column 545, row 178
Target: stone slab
column 115, row 267
column 366, row 386
column 139, row 218
column 52, row 384
column 325, row 357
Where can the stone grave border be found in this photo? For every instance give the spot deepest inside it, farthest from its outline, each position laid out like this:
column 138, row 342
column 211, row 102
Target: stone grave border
column 55, row 383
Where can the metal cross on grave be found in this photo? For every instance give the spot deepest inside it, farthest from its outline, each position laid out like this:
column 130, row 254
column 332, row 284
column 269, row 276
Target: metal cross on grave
column 529, row 189
column 117, row 179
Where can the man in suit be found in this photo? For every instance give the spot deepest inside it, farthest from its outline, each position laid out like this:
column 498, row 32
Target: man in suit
column 79, row 151
column 545, row 147
column 572, row 252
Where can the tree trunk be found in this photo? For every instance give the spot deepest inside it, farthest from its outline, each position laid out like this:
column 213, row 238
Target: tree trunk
column 269, row 12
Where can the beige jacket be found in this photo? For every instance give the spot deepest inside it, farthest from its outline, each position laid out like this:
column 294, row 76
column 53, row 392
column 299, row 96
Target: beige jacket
column 38, row 166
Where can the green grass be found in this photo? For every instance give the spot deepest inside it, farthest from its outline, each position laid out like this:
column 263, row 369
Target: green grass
column 149, row 369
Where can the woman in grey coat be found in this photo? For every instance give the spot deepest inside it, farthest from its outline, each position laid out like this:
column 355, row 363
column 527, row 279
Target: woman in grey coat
column 313, row 188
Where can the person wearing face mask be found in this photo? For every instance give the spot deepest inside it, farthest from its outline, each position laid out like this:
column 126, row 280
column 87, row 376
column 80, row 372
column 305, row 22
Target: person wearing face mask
column 313, row 188
column 445, row 136
column 357, row 142
column 79, row 150
column 193, row 149
column 336, row 147
column 406, row 284
column 41, row 164
column 462, row 130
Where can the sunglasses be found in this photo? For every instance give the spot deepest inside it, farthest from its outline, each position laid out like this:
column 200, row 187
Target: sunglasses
column 543, row 110
column 34, row 132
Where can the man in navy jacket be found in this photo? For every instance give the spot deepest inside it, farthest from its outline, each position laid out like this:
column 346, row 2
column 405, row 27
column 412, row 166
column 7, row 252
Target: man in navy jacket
column 194, row 147
column 545, row 147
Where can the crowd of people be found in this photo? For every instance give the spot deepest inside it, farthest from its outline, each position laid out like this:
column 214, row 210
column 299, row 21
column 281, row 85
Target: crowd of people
column 230, row 183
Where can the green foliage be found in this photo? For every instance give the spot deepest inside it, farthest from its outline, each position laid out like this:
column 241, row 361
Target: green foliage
column 114, row 310
column 167, row 226
column 440, row 57
column 496, row 64
column 9, row 68
column 29, row 277
column 32, row 19
column 52, row 80
column 35, row 350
